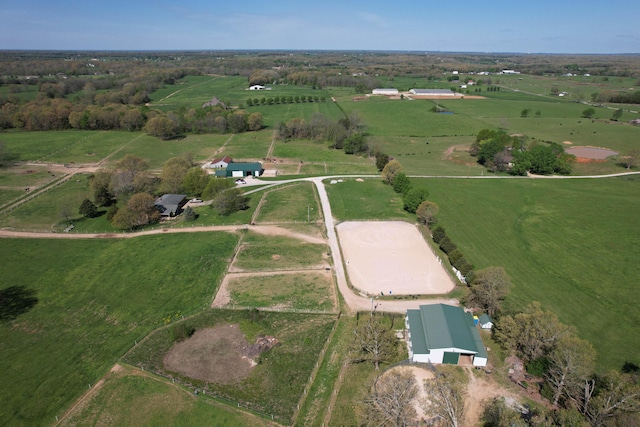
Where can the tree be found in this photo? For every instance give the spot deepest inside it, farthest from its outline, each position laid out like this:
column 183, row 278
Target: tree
column 99, row 185
column 489, row 288
column 497, row 414
column 255, row 121
column 588, row 113
column 532, row 333
column 427, row 212
column 140, row 210
column 381, row 160
column 413, row 198
column 230, row 201
column 216, row 186
column 631, row 159
column 401, row 184
column 161, row 127
column 88, row 209
column 355, row 144
column 390, row 171
column 372, row 342
column 570, row 364
column 173, row 174
column 195, row 181
column 617, row 393
column 189, row 214
column 616, row 114
column 445, row 399
column 524, row 113
column 390, row 401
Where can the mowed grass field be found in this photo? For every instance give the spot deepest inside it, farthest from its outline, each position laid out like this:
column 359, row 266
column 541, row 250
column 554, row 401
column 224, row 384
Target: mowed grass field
column 272, row 253
column 131, row 397
column 290, row 203
column 571, row 244
column 95, row 297
column 307, row 291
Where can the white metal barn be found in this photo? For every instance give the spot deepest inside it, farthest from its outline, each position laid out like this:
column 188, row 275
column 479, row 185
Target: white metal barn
column 432, row 92
column 442, row 333
column 383, row 91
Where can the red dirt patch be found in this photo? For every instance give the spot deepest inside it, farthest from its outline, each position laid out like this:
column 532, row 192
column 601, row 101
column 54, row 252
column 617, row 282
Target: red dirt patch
column 220, row 354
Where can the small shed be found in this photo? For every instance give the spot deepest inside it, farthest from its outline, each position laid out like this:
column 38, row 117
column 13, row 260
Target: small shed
column 485, row 321
column 170, row 205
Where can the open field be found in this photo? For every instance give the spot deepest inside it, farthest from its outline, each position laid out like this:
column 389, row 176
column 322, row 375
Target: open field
column 132, row 397
column 570, row 244
column 94, row 298
column 312, row 290
column 290, row 203
column 300, row 337
column 273, row 253
column 370, row 199
column 391, row 256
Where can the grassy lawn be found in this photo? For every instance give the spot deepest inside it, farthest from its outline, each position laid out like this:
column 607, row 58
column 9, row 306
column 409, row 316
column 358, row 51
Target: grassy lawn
column 156, row 152
column 248, row 145
column 570, row 244
column 130, row 397
column 369, row 200
column 95, row 297
column 290, row 203
column 64, row 146
column 274, row 385
column 269, row 253
column 301, row 290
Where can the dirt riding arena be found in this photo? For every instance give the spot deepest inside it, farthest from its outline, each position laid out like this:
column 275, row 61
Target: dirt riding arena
column 591, row 153
column 391, row 257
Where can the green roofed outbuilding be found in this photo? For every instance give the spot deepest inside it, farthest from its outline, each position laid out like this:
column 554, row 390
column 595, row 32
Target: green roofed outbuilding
column 442, row 333
column 240, row 170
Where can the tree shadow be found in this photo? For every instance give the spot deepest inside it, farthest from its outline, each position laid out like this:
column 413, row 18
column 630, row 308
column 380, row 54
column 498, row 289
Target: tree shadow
column 16, row 300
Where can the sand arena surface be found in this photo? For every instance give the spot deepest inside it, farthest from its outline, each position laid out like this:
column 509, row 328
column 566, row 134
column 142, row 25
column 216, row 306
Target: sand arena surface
column 383, row 256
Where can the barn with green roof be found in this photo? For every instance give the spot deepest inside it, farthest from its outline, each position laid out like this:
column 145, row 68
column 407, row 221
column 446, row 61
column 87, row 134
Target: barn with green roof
column 442, row 333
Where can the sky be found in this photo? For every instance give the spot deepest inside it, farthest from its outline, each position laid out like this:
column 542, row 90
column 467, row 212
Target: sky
column 540, row 26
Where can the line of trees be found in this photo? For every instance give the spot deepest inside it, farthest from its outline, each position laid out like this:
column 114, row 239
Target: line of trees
column 255, row 102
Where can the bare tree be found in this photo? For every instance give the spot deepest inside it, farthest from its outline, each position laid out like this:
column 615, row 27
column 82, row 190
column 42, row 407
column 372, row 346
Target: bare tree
column 390, row 171
column 489, row 288
column 631, row 159
column 390, row 401
column 571, row 363
column 445, row 399
column 372, row 341
column 619, row 394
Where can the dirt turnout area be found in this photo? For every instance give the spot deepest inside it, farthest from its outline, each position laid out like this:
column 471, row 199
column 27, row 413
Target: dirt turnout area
column 220, row 354
column 595, row 153
column 391, row 256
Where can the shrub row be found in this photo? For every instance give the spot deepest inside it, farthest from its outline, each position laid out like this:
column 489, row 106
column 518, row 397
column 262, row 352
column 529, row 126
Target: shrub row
column 456, row 258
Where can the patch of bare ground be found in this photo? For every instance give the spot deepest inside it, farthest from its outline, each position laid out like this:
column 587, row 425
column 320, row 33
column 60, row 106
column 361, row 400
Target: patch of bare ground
column 480, row 389
column 220, row 354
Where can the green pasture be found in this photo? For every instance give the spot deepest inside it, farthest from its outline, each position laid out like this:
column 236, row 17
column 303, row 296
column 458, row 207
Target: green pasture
column 69, row 146
column 308, row 291
column 22, row 176
column 275, row 385
column 272, row 253
column 384, row 117
column 193, row 91
column 94, row 298
column 128, row 398
column 369, row 200
column 570, row 244
column 7, row 196
column 47, row 210
column 247, row 146
column 290, row 203
column 156, row 152
column 24, row 93
column 313, row 151
column 431, row 156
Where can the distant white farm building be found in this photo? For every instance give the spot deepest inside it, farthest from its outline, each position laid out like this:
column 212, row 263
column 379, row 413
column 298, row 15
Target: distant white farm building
column 509, row 72
column 257, row 87
column 385, row 91
column 442, row 333
column 432, row 92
